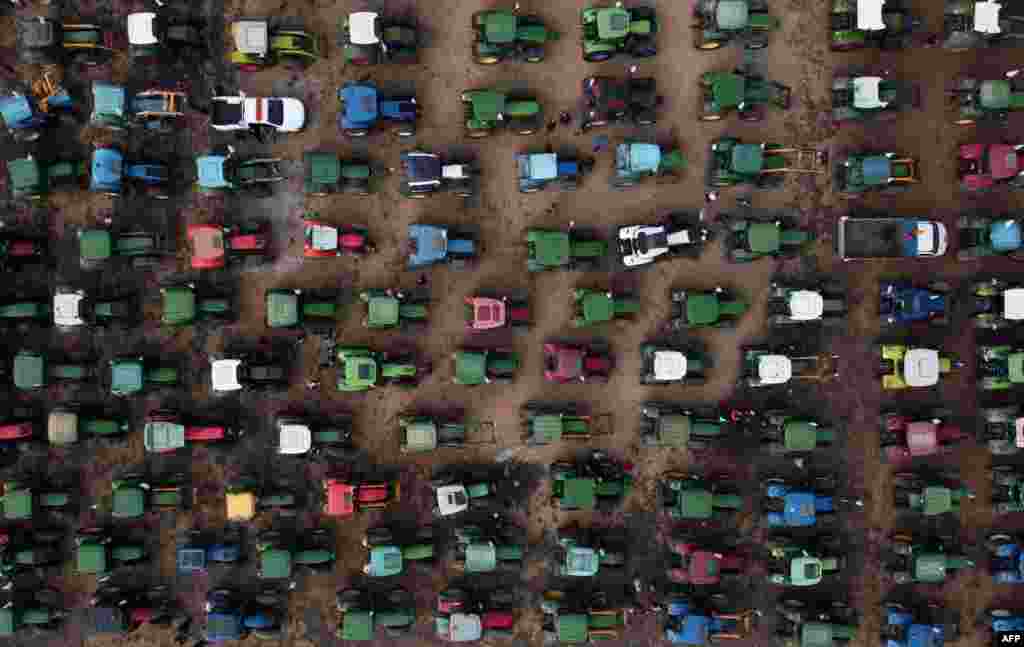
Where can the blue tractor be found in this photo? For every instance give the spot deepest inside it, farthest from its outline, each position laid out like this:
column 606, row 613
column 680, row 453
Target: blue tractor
column 901, row 303
column 702, row 624
column 1006, row 626
column 109, row 173
column 230, row 617
column 197, row 555
column 26, row 114
column 435, row 244
column 788, row 505
column 1006, row 558
column 537, row 171
column 364, row 108
column 928, row 626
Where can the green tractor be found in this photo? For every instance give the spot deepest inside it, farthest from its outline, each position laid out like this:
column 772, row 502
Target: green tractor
column 586, row 553
column 96, row 247
column 743, row 92
column 98, row 551
column 718, row 308
column 362, row 613
column 182, row 305
column 821, row 625
column 596, row 482
column 502, row 35
column 548, row 424
column 133, row 375
column 363, row 369
column 390, row 553
column 930, row 561
column 390, row 308
column 677, row 426
column 39, row 612
column 607, row 31
column 803, row 563
column 637, row 160
column 592, row 307
column 34, row 370
column 691, row 497
column 279, row 557
column 580, row 620
column 987, row 100
column 326, row 173
column 489, row 109
column 763, row 166
column 257, row 46
column 28, row 178
column 750, row 240
column 300, row 308
column 1000, row 368
column 21, row 502
column 132, row 496
column 26, row 311
column 861, row 172
column 550, row 249
column 476, row 366
column 783, row 433
column 420, row 434
column 66, row 426
column 720, row 22
column 480, row 550
column 31, row 550
column 928, row 496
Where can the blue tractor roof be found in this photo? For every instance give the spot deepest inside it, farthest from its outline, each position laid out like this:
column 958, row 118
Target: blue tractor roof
column 1005, row 235
column 107, row 99
column 430, row 244
column 107, row 167
column 800, row 508
column 210, row 169
column 221, row 626
column 191, row 559
column 924, row 636
column 15, row 110
column 360, row 104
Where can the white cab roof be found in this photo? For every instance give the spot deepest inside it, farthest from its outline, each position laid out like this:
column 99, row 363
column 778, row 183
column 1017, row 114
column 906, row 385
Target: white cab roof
column 869, row 15
column 774, row 369
column 224, row 375
column 140, row 28
column 325, row 237
column 921, row 367
column 295, row 439
column 453, row 171
column 67, row 309
column 865, row 93
column 806, row 305
column 1013, row 304
column 251, row 37
column 669, row 365
column 986, row 17
column 452, row 499
column 362, row 28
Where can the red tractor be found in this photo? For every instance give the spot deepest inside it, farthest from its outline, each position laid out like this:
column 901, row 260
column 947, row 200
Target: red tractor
column 906, row 437
column 494, row 312
column 699, row 565
column 324, row 240
column 981, row 167
column 583, row 362
column 212, row 246
column 344, row 497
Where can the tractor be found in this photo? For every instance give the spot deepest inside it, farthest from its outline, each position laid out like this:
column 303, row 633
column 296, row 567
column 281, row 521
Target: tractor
column 763, row 166
column 575, row 249
column 740, row 91
column 486, row 110
column 504, row 35
column 637, row 160
column 607, row 31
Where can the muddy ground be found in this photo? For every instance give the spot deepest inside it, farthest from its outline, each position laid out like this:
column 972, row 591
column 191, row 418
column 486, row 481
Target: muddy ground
column 798, row 56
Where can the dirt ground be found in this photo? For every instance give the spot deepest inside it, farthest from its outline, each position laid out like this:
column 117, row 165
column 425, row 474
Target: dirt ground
column 798, row 56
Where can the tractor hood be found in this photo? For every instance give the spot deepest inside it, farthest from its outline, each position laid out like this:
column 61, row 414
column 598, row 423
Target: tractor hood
column 142, row 28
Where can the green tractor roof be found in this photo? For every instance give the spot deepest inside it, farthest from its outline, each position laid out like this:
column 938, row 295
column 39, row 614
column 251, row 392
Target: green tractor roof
column 674, row 430
column 481, row 557
column 816, row 634
column 91, row 558
column 930, row 567
column 382, row 310
column 357, row 625
column 573, row 627
column 17, row 504
column 805, row 571
column 95, row 244
column 323, row 168
column 732, row 15
column 129, row 502
column 995, row 95
column 126, row 376
column 275, row 563
column 937, row 500
column 421, row 435
column 179, row 305
column 747, row 159
column 598, row 306
column 385, row 561
column 800, row 435
column 488, row 104
column 613, row 23
column 551, row 248
column 26, row 175
column 728, row 89
column 361, row 371
column 580, row 493
column 282, row 308
column 696, row 504
column 703, row 309
column 548, row 428
column 764, row 237
column 581, row 561
column 500, row 27
column 29, row 370
column 1015, row 367
column 470, row 366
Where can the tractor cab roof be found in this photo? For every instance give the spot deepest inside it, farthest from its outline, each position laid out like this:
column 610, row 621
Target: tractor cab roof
column 385, row 561
column 1003, row 161
column 1005, row 235
column 674, row 429
column 703, row 309
column 670, row 365
column 62, row 427
column 383, row 310
column 29, row 370
column 800, row 435
column 163, row 435
column 276, row 563
column 732, row 14
column 210, row 169
column 294, row 438
column 921, row 367
column 876, row 170
column 15, row 109
column 465, row 627
column 930, row 567
column 728, row 89
column 579, row 493
column 282, row 308
column 361, row 102
column 471, row 366
column 488, row 105
column 224, row 374
column 581, row 561
column 598, row 306
column 91, row 558
column 937, row 500
column 1013, row 304
column 551, row 248
column 799, row 508
column 541, row 166
column 641, row 157
column 142, row 28
column 430, row 243
column 362, row 28
column 869, row 18
column 986, row 17
column 806, row 305
column 422, row 168
column 501, row 27
column 612, row 23
column 421, row 434
column 922, row 439
column 764, row 237
column 481, row 557
column 452, row 499
column 67, row 308
column 866, row 93
column 107, row 166
column 805, row 571
column 251, row 37
column 995, row 95
column 361, row 370
column 816, row 634
column 774, row 369
column 747, row 159
column 322, row 237
column 129, row 502
column 573, row 628
column 179, row 304
column 323, row 167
